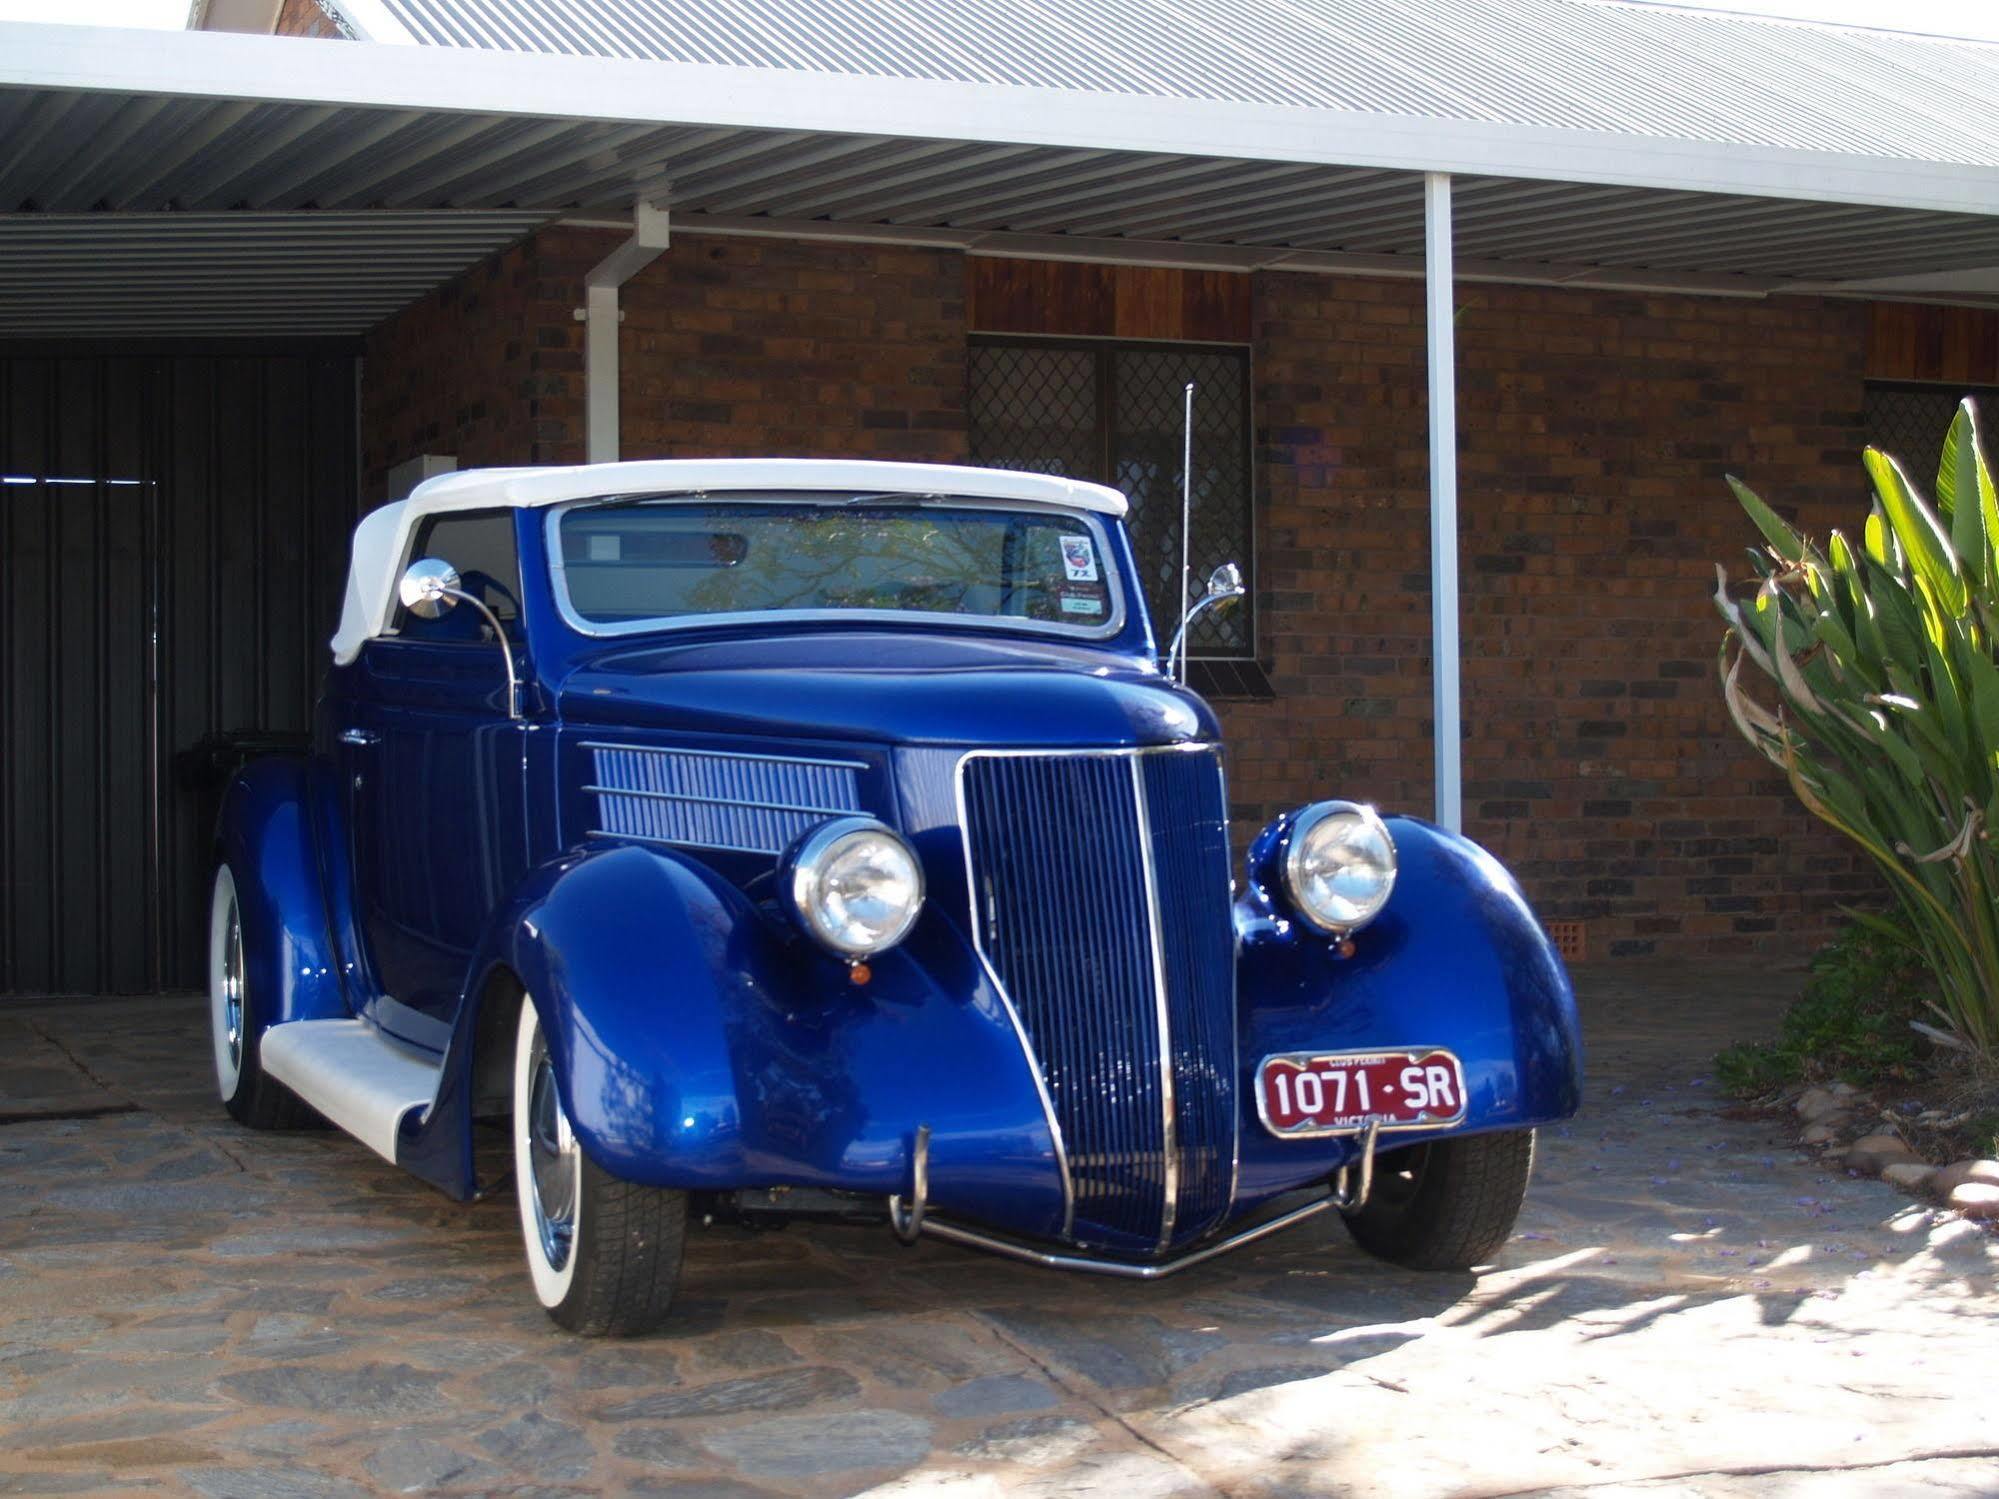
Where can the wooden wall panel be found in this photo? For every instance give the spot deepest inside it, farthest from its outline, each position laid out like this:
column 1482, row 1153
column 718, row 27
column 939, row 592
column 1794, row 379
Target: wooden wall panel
column 1065, row 299
column 1915, row 341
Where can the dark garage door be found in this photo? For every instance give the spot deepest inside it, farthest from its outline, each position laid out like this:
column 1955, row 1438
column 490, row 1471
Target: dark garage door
column 172, row 529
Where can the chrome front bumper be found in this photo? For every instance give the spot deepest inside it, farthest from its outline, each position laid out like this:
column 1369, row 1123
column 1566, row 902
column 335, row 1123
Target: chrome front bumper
column 1348, row 1192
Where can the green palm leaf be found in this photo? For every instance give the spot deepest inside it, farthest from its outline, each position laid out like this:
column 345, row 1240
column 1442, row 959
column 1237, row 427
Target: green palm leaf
column 1880, row 665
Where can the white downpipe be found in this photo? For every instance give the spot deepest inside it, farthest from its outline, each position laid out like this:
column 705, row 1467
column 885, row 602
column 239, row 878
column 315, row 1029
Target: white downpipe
column 1447, row 708
column 651, row 234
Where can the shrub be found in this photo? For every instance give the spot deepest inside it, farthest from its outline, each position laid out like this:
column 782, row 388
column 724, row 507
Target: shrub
column 1851, row 1022
column 1886, row 713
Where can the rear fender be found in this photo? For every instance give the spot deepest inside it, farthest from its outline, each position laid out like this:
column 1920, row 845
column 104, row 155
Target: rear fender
column 265, row 833
column 699, row 1043
column 1456, row 960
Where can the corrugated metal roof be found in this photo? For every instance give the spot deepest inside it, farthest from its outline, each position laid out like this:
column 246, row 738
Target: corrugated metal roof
column 70, row 152
column 1562, row 64
column 371, row 173
column 218, row 275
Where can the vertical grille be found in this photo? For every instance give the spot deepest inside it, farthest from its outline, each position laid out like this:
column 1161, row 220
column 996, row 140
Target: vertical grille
column 1190, row 838
column 754, row 804
column 1065, row 901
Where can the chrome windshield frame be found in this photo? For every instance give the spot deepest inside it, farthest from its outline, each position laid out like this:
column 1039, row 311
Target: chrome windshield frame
column 1001, row 624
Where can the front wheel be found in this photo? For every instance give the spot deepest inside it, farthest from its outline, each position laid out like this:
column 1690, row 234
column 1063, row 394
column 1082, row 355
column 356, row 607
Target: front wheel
column 1448, row 1204
column 604, row 1254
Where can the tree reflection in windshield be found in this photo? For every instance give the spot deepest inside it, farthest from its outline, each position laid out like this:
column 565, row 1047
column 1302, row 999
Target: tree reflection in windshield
column 676, row 558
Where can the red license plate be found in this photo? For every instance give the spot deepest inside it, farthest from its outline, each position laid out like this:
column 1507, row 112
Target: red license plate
column 1310, row 1093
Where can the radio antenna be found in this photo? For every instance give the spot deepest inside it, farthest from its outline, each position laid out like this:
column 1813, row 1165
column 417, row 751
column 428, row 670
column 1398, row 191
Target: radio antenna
column 1186, row 513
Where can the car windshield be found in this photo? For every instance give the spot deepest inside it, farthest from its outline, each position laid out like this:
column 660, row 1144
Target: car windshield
column 626, row 563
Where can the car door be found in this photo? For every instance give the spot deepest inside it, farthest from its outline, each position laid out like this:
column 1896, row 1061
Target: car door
column 435, row 781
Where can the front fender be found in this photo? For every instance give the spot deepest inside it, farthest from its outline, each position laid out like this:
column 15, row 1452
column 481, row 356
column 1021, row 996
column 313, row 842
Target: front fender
column 698, row 1044
column 1455, row 960
column 264, row 831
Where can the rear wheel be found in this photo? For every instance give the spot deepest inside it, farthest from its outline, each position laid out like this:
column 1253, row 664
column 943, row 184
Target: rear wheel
column 236, row 1023
column 1446, row 1205
column 604, row 1255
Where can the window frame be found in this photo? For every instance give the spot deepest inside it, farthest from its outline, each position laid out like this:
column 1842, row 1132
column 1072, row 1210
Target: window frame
column 1095, row 523
column 1104, row 351
column 515, row 629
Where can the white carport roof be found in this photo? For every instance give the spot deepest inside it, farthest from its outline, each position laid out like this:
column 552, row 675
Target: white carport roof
column 277, row 185
column 1597, row 65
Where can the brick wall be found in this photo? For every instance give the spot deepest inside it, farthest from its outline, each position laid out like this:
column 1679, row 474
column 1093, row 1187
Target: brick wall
column 1595, row 431
column 729, row 347
column 1596, row 428
column 488, row 368
column 746, row 346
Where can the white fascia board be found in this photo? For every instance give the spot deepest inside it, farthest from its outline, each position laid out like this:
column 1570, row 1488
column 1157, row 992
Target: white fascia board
column 1973, row 288
column 274, row 69
column 997, row 244
column 1982, row 283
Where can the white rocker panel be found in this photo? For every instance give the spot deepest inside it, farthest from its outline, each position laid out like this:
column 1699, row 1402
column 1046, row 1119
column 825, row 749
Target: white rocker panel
column 353, row 1074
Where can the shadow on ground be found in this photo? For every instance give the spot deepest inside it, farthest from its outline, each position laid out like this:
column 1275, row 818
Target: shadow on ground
column 189, row 1308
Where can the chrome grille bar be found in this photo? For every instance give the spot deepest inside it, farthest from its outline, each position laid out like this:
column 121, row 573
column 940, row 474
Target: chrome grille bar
column 1169, row 1203
column 1099, row 892
column 716, row 800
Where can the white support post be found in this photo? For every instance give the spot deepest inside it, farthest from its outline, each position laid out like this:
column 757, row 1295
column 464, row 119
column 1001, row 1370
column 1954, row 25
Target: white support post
column 1444, row 679
column 600, row 315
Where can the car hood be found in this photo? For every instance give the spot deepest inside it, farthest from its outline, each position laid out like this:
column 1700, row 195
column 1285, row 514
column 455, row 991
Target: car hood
column 886, row 688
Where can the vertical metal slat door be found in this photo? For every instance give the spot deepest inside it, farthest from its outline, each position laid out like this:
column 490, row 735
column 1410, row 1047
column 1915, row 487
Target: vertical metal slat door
column 78, row 861
column 171, row 531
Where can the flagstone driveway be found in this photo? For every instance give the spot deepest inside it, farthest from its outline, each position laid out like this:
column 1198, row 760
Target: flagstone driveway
column 1689, row 1308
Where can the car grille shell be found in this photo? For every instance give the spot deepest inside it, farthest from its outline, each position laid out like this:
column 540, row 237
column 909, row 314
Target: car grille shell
column 1099, row 885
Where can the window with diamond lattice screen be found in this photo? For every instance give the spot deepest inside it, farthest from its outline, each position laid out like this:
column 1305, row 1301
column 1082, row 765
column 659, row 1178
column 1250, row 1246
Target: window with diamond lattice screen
column 1908, row 423
column 1112, row 413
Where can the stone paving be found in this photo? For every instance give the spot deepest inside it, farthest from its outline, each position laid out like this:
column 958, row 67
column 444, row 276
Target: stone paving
column 1690, row 1307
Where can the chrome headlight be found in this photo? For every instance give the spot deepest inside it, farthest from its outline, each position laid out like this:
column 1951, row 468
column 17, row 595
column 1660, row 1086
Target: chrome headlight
column 856, row 886
column 1341, row 865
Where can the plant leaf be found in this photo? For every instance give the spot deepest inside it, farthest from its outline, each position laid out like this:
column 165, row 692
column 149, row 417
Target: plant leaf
column 1785, row 542
column 1918, row 530
column 1988, row 495
column 1875, row 537
column 1958, row 496
column 1895, row 933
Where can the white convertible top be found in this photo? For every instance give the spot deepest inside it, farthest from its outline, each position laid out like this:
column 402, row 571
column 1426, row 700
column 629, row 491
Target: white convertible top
column 383, row 535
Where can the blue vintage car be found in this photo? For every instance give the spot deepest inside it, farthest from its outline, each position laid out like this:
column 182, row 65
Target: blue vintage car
column 755, row 840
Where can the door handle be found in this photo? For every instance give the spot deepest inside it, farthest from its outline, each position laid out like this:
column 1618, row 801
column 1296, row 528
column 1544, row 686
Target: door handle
column 359, row 736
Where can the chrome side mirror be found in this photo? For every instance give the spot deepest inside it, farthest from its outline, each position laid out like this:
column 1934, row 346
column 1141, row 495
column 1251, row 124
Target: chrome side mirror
column 430, row 587
column 1224, row 587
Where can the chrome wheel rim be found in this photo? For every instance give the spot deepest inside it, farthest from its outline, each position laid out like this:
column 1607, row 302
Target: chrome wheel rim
column 232, row 984
column 552, row 1161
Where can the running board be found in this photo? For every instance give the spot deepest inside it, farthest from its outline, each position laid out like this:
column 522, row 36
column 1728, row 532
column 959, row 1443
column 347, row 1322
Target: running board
column 353, row 1074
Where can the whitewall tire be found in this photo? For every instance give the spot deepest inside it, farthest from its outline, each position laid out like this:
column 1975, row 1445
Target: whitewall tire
column 603, row 1254
column 547, row 1167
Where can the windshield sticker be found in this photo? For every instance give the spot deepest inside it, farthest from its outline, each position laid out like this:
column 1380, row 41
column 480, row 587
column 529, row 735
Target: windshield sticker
column 1079, row 561
column 1071, row 604
column 605, row 547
